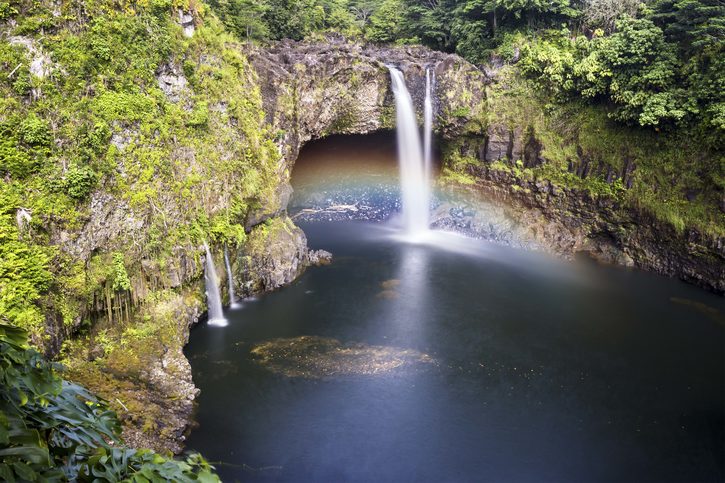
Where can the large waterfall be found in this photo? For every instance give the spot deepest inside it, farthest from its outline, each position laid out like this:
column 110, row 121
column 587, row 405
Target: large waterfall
column 428, row 124
column 213, row 298
column 232, row 298
column 414, row 175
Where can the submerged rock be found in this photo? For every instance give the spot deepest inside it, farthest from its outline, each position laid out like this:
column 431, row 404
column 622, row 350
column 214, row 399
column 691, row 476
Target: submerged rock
column 316, row 357
column 711, row 312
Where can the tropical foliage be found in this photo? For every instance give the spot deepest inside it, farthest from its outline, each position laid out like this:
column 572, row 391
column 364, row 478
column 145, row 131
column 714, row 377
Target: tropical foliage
column 54, row 430
column 656, row 63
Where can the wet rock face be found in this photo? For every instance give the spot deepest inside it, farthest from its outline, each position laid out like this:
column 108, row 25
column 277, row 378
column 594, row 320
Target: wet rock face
column 566, row 221
column 41, row 64
column 274, row 255
column 319, row 257
column 186, row 20
column 147, row 381
column 315, row 357
column 497, row 142
column 314, row 89
column 271, row 208
column 168, row 386
column 108, row 219
column 172, row 81
column 470, row 215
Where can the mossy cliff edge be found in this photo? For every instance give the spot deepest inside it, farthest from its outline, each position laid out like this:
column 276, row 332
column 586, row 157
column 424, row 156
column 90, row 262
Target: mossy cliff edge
column 576, row 181
column 133, row 133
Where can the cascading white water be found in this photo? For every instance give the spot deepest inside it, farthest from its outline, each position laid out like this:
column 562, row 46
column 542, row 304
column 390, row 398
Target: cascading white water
column 428, row 125
column 414, row 182
column 232, row 298
column 213, row 298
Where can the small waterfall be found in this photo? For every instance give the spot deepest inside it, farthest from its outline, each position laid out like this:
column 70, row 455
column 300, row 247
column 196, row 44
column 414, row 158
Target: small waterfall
column 213, row 298
column 428, row 125
column 414, row 185
column 232, row 298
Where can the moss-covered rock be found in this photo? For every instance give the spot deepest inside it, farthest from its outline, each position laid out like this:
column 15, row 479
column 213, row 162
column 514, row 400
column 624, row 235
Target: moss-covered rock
column 128, row 138
column 274, row 254
column 140, row 369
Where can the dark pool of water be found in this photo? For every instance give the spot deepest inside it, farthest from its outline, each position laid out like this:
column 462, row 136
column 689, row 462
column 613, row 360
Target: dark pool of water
column 545, row 371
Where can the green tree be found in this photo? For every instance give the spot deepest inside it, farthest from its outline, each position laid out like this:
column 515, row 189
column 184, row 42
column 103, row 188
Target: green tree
column 340, row 17
column 693, row 24
column 643, row 67
column 385, row 23
column 362, row 10
column 245, row 18
column 293, row 19
column 24, row 271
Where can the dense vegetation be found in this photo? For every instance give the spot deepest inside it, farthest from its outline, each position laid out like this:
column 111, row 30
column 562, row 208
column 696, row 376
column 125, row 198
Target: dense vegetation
column 84, row 123
column 91, row 114
column 54, row 430
column 658, row 63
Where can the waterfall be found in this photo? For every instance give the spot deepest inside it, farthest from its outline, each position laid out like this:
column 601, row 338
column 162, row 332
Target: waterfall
column 428, row 125
column 213, row 298
column 414, row 182
column 232, row 298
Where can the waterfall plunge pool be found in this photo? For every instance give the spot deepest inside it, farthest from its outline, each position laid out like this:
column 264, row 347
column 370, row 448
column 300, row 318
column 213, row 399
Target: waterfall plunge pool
column 484, row 364
column 452, row 359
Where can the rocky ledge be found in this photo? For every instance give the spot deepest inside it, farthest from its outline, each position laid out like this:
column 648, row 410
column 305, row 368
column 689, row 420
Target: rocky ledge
column 536, row 213
column 313, row 89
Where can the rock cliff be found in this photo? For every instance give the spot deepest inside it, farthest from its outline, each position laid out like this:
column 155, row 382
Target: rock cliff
column 492, row 130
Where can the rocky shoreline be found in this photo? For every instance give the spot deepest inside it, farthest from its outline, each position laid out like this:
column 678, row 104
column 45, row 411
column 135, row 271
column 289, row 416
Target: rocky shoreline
column 565, row 221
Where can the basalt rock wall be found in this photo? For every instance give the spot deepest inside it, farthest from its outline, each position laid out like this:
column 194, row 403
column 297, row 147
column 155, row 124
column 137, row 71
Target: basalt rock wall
column 491, row 129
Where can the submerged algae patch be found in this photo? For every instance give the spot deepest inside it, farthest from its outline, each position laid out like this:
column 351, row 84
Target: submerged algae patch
column 317, row 357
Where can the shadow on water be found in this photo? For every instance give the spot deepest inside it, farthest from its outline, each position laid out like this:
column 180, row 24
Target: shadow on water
column 543, row 370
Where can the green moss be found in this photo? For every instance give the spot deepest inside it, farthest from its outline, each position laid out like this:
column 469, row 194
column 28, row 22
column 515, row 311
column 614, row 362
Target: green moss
column 14, row 160
column 387, row 117
column 190, row 174
column 34, row 131
column 449, row 176
column 463, row 111
column 344, row 121
column 113, row 359
column 119, row 275
column 24, row 276
column 666, row 166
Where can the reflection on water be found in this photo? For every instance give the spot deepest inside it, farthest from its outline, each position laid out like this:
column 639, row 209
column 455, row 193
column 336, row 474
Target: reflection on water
column 347, row 177
column 544, row 371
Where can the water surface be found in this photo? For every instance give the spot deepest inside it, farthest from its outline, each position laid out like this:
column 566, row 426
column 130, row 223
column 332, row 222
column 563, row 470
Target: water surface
column 543, row 371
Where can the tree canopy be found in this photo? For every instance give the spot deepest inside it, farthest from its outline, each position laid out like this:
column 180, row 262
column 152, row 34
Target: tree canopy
column 655, row 64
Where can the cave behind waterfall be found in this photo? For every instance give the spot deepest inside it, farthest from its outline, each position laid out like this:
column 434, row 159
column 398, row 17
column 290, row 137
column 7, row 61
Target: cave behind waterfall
column 347, row 177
